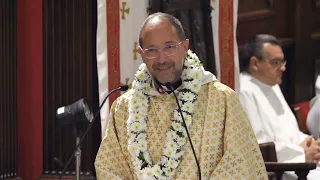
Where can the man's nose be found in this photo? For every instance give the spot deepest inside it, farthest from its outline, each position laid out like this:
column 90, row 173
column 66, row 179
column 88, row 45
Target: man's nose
column 283, row 67
column 162, row 57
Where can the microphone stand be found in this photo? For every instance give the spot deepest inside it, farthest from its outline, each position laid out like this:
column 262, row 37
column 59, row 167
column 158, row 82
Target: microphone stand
column 77, row 155
column 77, row 151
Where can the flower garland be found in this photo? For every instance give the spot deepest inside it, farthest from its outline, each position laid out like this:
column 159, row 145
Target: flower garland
column 176, row 136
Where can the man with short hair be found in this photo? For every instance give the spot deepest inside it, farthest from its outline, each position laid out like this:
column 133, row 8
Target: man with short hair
column 146, row 137
column 262, row 64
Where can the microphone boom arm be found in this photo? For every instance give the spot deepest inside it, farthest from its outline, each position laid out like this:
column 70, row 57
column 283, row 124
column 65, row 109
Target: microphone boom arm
column 185, row 126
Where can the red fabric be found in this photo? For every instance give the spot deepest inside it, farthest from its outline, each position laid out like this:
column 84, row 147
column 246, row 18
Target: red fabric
column 226, row 42
column 113, row 46
column 301, row 110
column 29, row 88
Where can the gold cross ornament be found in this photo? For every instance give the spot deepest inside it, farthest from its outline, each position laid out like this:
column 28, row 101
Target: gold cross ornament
column 135, row 51
column 124, row 10
column 127, row 83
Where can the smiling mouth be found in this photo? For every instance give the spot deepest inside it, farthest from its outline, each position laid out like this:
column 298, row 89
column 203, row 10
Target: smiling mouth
column 163, row 68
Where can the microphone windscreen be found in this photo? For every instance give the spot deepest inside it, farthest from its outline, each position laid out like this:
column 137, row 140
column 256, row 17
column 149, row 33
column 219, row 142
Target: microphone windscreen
column 124, row 88
column 169, row 86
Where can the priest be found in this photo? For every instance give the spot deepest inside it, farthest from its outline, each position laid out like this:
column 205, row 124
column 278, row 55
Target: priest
column 146, row 137
column 262, row 64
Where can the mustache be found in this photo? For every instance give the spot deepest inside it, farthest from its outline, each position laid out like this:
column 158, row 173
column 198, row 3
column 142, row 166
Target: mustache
column 163, row 65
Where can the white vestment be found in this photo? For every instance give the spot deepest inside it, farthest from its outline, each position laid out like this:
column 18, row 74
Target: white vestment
column 273, row 121
column 313, row 119
column 317, row 85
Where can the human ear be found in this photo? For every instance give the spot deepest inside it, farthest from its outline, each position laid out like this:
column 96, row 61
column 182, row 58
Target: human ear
column 185, row 47
column 140, row 50
column 253, row 63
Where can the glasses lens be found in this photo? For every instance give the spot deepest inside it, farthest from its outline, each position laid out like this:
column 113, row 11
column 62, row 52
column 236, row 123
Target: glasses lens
column 151, row 53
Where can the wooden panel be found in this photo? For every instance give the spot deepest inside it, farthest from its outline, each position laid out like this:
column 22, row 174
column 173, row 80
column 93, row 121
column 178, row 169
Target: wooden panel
column 253, row 5
column 316, row 15
column 196, row 21
column 263, row 16
column 176, row 5
column 316, row 35
column 252, row 9
column 8, row 90
column 286, row 19
column 303, row 67
column 69, row 74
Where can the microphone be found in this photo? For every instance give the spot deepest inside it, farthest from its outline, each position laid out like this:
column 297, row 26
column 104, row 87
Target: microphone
column 121, row 88
column 170, row 87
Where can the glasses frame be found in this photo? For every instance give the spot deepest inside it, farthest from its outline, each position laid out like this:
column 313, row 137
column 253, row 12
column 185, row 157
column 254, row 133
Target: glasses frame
column 278, row 65
column 161, row 49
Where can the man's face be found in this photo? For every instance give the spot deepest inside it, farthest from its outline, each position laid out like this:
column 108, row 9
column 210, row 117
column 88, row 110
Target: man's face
column 163, row 52
column 269, row 70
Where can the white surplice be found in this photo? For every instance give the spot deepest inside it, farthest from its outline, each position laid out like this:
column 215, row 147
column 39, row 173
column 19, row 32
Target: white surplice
column 272, row 119
column 317, row 85
column 313, row 119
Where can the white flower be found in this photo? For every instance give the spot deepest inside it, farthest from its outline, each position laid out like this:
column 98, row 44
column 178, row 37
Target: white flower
column 179, row 154
column 132, row 138
column 196, row 75
column 144, row 109
column 193, row 56
column 138, row 126
column 135, row 99
column 171, row 145
column 177, row 115
column 142, row 145
column 164, row 160
column 137, row 117
column 189, row 62
column 142, row 67
column 143, row 99
column 173, row 163
column 147, row 157
column 175, row 137
column 137, row 96
column 134, row 149
column 177, row 126
column 145, row 87
column 142, row 76
column 188, row 96
column 193, row 86
column 169, row 152
column 186, row 74
column 168, row 171
column 147, row 174
column 142, row 136
column 135, row 107
column 188, row 106
column 171, row 135
column 156, row 170
column 181, row 141
column 187, row 119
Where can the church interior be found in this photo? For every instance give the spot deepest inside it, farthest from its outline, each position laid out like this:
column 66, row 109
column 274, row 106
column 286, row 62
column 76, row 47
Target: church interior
column 48, row 59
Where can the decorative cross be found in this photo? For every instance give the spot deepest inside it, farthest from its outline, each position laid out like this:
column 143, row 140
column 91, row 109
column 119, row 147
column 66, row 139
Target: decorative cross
column 127, row 83
column 124, row 10
column 135, row 51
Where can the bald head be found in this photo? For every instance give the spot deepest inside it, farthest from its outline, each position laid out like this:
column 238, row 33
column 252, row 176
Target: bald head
column 158, row 18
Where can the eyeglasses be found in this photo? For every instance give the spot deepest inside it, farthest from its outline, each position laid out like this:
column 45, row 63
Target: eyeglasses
column 277, row 62
column 168, row 50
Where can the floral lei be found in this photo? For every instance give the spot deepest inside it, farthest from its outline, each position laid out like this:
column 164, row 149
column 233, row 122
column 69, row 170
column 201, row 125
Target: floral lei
column 176, row 135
